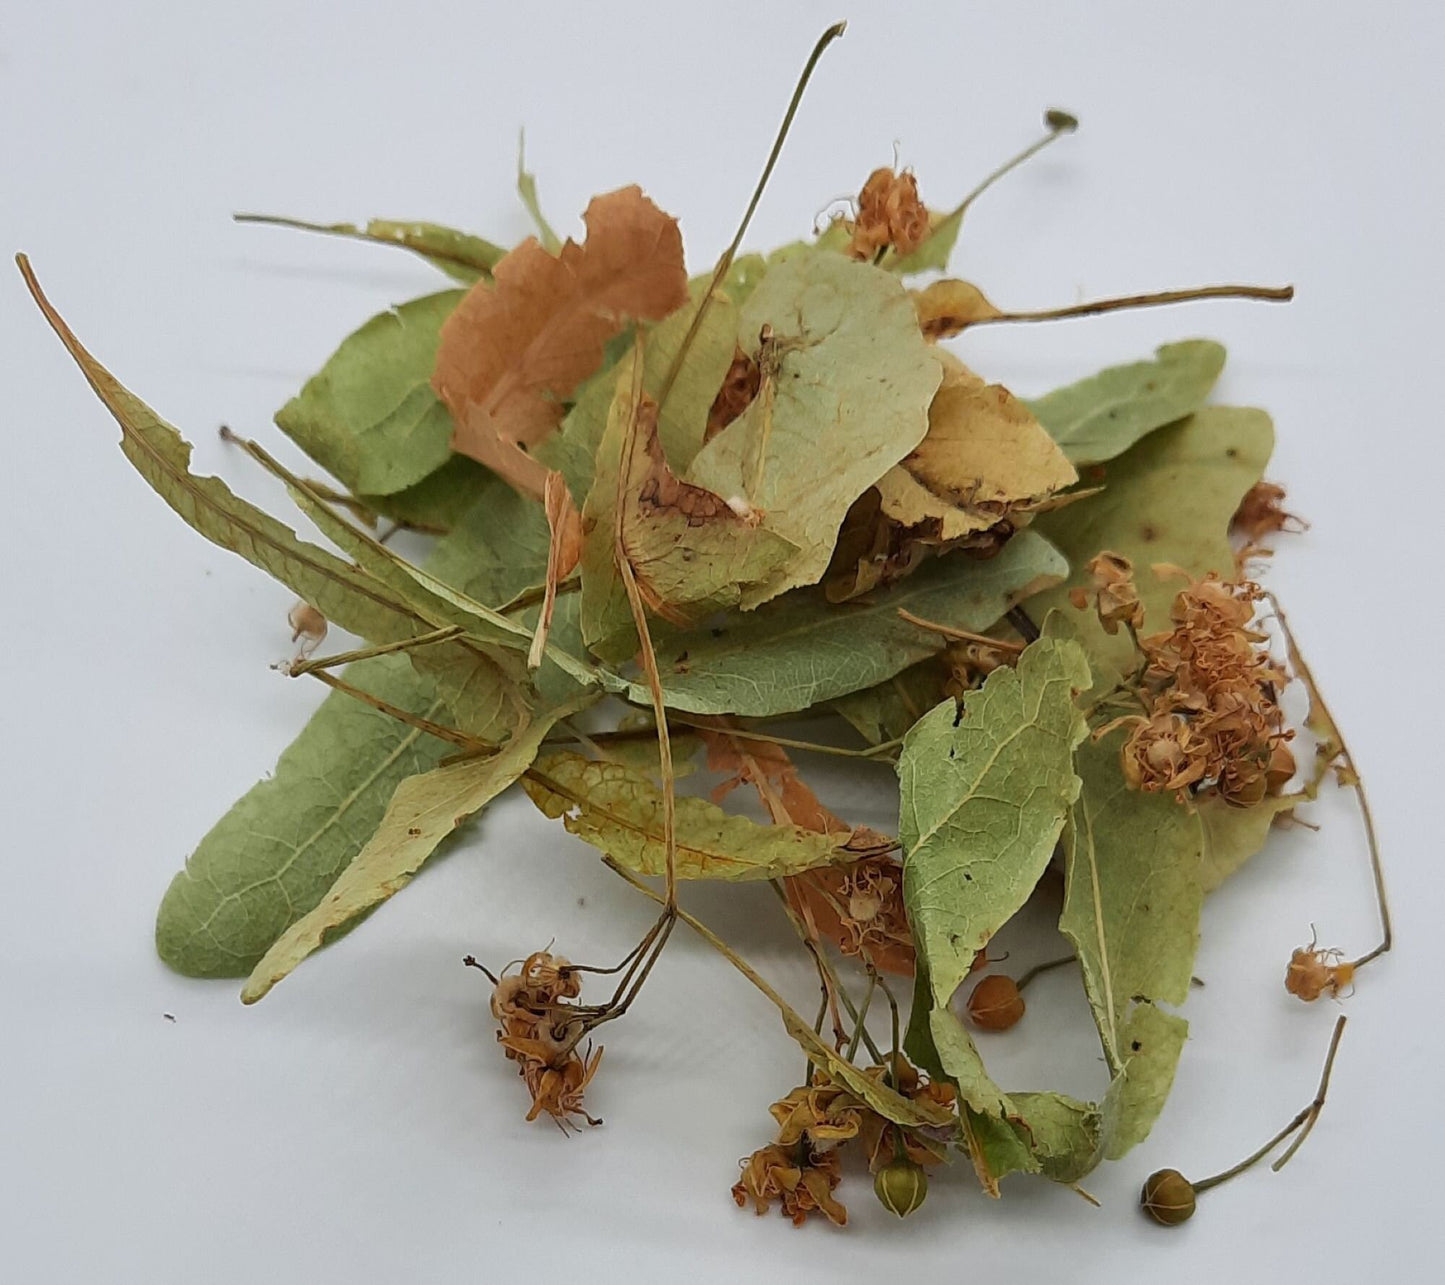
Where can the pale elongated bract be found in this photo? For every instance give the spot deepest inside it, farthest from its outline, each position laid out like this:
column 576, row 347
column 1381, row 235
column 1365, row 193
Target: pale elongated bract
column 423, row 811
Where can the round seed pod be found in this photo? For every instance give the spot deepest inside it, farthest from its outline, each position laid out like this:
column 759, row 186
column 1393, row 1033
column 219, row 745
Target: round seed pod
column 995, row 1004
column 1168, row 1197
column 901, row 1187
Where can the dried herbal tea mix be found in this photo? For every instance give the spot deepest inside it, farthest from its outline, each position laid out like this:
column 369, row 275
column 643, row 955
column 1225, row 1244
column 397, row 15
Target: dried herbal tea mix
column 671, row 510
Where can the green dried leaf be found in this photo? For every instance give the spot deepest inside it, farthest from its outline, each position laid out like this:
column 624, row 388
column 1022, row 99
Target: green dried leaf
column 460, row 255
column 423, row 811
column 848, row 374
column 343, row 593
column 1132, row 895
column 1233, row 835
column 1137, row 1095
column 1066, row 1136
column 272, row 857
column 802, row 649
column 619, row 810
column 887, row 710
column 985, row 792
column 1169, row 499
column 370, row 417
column 1101, row 417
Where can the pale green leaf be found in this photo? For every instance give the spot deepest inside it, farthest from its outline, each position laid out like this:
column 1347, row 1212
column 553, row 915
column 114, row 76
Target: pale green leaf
column 1131, row 895
column 272, row 857
column 1065, row 1135
column 1154, row 1040
column 885, row 711
column 848, row 379
column 1169, row 499
column 1103, row 416
column 370, row 417
column 423, row 811
column 619, row 810
column 800, row 650
column 985, row 792
column 934, row 253
column 1233, row 835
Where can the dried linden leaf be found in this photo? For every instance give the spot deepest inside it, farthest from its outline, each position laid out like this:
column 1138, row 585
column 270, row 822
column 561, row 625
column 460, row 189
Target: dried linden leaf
column 985, row 458
column 515, row 346
column 619, row 810
column 847, row 380
column 1132, row 895
column 1101, row 417
column 370, row 417
column 985, row 793
column 800, row 650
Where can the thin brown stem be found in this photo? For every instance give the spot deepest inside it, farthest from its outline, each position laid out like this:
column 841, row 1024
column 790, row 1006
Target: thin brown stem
column 1342, row 753
column 1039, row 969
column 959, row 635
column 382, row 649
column 725, row 262
column 1159, row 299
column 1305, row 1119
column 473, row 744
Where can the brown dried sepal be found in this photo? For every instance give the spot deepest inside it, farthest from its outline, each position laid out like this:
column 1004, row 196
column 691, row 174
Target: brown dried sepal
column 1262, row 513
column 800, row 1180
column 1312, row 973
column 539, row 1028
column 890, row 214
column 1116, row 596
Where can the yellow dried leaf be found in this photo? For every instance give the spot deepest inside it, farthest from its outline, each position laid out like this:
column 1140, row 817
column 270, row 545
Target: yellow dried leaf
column 948, row 307
column 985, row 458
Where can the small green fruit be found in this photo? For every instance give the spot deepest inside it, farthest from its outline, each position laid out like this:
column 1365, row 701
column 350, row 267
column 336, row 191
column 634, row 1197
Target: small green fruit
column 1168, row 1197
column 901, row 1187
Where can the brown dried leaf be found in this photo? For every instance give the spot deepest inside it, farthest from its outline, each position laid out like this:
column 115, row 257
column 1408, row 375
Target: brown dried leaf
column 519, row 344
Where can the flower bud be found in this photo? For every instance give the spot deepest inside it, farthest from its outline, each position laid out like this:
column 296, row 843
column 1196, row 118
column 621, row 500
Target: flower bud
column 995, row 1004
column 901, row 1187
column 1168, row 1197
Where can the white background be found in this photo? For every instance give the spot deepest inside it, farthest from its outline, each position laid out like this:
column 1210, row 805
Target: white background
column 360, row 1124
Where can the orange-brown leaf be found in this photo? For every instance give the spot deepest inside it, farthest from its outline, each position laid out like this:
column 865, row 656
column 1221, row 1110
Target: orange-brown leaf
column 517, row 345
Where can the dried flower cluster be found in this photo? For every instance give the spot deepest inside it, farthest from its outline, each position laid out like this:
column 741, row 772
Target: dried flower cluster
column 890, row 215
column 1213, row 721
column 540, row 1029
column 802, row 1167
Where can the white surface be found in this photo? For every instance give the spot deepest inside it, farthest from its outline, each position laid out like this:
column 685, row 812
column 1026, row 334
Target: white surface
column 360, row 1124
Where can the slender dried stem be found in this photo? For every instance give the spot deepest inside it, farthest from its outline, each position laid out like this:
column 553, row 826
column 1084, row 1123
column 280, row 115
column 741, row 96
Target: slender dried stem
column 1270, row 294
column 724, row 263
column 381, row 649
column 474, row 745
column 1038, row 969
column 1357, row 782
column 861, row 1017
column 1305, row 1120
column 959, row 635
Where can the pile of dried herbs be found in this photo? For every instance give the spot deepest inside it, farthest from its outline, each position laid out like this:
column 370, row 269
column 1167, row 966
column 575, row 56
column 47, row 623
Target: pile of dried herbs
column 692, row 506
